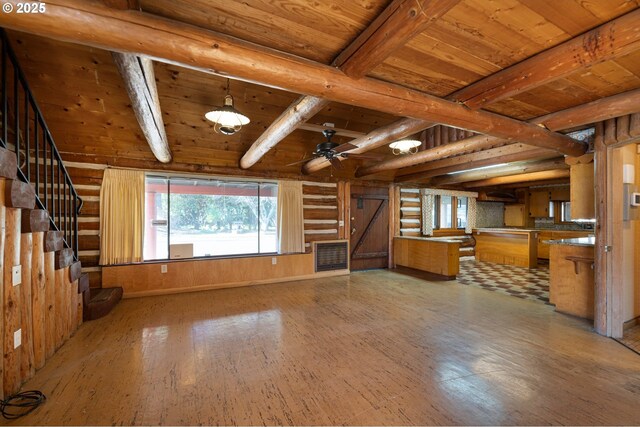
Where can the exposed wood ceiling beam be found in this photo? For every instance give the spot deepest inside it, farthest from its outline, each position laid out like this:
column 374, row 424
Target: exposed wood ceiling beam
column 90, row 23
column 401, row 21
column 300, row 111
column 339, row 132
column 139, row 79
column 374, row 139
column 478, row 142
column 123, row 4
column 397, row 24
column 555, row 182
column 608, row 41
column 507, row 170
column 595, row 111
column 526, row 177
column 505, row 154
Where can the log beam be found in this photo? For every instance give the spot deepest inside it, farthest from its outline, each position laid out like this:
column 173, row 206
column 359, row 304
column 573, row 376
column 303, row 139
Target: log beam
column 90, row 23
column 401, row 21
column 300, row 111
column 592, row 112
column 137, row 73
column 478, row 142
column 616, row 38
column 526, row 177
column 123, row 4
column 493, row 156
column 507, row 170
column 377, row 138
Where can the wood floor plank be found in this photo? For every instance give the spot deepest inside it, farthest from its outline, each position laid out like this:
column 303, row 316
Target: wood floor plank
column 374, row 347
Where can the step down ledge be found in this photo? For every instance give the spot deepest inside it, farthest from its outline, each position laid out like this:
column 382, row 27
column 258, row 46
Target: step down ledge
column 101, row 302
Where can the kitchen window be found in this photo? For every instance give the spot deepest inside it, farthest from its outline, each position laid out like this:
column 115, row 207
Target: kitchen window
column 450, row 212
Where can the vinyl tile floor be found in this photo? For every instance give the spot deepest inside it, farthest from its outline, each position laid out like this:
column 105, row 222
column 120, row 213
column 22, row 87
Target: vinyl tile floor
column 520, row 282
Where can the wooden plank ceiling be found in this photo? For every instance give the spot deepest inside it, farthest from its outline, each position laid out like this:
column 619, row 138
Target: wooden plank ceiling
column 84, row 99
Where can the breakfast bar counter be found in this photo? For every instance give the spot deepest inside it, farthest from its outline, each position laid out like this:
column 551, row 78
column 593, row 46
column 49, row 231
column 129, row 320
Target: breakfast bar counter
column 510, row 246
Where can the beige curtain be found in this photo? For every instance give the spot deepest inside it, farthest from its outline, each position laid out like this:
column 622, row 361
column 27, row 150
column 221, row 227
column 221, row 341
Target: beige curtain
column 290, row 217
column 121, row 216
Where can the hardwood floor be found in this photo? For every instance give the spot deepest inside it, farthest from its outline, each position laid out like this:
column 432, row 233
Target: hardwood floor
column 375, row 347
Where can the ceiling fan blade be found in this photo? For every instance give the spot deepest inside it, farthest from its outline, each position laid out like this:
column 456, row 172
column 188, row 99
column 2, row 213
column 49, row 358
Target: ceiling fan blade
column 364, row 156
column 345, row 147
column 335, row 163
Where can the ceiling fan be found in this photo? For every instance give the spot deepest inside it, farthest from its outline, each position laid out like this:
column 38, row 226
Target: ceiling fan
column 332, row 151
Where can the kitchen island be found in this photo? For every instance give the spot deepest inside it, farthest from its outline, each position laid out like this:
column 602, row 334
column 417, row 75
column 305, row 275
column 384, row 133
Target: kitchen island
column 510, row 246
column 440, row 256
column 571, row 276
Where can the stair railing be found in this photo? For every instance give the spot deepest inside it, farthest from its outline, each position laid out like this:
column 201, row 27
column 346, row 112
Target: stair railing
column 23, row 130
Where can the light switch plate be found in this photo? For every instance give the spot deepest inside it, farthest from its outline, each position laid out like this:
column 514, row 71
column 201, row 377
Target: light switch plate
column 17, row 338
column 16, row 274
column 163, row 268
column 274, row 260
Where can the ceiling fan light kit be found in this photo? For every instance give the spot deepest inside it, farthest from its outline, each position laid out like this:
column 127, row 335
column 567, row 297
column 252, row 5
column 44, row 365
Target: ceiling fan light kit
column 227, row 119
column 405, row 146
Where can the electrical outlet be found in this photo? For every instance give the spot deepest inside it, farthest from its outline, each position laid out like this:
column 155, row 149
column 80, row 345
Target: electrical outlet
column 274, row 260
column 17, row 338
column 163, row 268
column 16, row 275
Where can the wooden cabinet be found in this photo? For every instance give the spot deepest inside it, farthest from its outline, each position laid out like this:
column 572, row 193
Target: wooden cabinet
column 560, row 194
column 514, row 215
column 539, row 204
column 571, row 279
column 583, row 204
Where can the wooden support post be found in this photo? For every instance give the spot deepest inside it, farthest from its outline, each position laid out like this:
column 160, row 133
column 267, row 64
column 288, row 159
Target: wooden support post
column 50, row 304
column 59, row 296
column 393, row 219
column 70, row 289
column 78, row 310
column 634, row 125
column 602, row 257
column 27, row 368
column 610, row 132
column 38, row 300
column 12, row 304
column 347, row 210
column 622, row 128
column 340, row 204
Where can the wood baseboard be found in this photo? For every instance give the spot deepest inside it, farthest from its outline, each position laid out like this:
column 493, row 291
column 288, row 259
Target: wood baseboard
column 156, row 292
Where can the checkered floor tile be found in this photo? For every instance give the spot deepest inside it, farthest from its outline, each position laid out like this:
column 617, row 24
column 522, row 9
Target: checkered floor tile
column 631, row 338
column 509, row 280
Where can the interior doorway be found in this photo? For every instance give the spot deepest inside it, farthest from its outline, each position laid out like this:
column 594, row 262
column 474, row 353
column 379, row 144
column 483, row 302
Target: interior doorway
column 369, row 234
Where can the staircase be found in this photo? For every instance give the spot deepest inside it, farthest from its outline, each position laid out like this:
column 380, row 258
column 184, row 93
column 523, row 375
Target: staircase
column 45, row 295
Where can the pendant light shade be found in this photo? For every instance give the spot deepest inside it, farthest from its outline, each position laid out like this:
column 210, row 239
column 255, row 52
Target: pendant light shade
column 227, row 119
column 405, row 146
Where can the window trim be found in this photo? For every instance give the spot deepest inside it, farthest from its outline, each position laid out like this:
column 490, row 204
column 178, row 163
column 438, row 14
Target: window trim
column 454, row 216
column 168, row 176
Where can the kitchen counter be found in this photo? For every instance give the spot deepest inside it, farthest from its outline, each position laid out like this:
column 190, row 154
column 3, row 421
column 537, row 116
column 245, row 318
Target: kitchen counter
column 434, row 239
column 434, row 255
column 571, row 277
column 509, row 246
column 579, row 241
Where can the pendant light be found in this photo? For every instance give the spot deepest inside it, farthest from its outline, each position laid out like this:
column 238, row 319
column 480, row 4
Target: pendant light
column 405, row 146
column 227, row 119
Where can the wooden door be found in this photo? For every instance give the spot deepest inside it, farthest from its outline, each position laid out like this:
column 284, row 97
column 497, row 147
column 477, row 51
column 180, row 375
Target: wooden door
column 369, row 228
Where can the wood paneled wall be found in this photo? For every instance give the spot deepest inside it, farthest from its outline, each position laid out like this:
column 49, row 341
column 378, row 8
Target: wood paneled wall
column 321, row 214
column 87, row 178
column 410, row 212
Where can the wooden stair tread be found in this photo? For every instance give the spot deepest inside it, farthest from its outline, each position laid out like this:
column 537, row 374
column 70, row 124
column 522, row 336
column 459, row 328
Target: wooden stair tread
column 100, row 302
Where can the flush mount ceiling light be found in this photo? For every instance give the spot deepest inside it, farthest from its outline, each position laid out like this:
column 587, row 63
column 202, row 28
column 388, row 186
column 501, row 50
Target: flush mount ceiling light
column 405, row 146
column 227, row 119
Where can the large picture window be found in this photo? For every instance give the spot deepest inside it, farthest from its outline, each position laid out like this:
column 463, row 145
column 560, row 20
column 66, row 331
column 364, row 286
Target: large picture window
column 193, row 217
